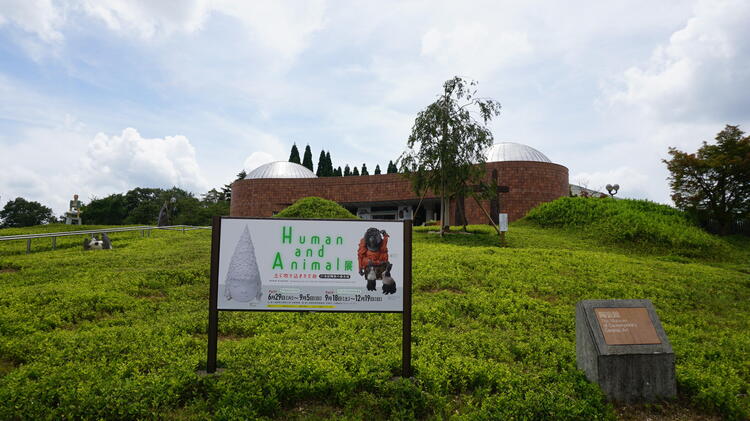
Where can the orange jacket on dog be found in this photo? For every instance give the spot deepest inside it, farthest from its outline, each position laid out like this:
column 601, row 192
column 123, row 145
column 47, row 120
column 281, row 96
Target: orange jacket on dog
column 377, row 257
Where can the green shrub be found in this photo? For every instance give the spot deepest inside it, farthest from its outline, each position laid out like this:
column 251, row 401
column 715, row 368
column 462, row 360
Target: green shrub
column 315, row 208
column 640, row 223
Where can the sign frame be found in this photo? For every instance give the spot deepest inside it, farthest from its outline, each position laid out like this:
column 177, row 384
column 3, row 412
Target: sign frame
column 213, row 308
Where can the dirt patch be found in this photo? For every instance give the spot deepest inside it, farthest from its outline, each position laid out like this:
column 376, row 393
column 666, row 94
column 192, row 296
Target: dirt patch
column 673, row 411
column 311, row 410
column 6, row 366
column 8, row 270
column 548, row 298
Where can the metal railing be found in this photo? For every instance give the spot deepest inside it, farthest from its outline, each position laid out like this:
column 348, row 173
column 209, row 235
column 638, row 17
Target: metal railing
column 53, row 235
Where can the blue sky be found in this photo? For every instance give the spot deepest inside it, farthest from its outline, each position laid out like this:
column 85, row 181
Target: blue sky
column 98, row 97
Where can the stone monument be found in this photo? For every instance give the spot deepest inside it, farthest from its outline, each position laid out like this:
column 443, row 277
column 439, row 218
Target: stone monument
column 73, row 215
column 621, row 345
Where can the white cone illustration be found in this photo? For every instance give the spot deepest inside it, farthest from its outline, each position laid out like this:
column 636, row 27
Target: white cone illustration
column 243, row 278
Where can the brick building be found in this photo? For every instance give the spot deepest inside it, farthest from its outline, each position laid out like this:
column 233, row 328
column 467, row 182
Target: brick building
column 530, row 176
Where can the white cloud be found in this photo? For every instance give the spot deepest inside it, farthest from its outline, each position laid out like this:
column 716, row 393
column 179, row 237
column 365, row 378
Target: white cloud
column 284, row 27
column 119, row 163
column 474, row 49
column 256, row 159
column 700, row 72
column 110, row 164
column 39, row 17
column 146, row 19
column 634, row 183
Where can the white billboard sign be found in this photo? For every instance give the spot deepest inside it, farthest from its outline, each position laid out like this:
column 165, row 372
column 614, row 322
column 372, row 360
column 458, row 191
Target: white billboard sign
column 310, row 265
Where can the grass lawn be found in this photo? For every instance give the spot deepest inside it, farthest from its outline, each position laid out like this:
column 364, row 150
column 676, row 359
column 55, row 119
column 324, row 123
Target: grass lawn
column 121, row 334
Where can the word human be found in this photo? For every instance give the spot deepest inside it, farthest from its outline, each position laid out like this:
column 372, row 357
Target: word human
column 316, row 247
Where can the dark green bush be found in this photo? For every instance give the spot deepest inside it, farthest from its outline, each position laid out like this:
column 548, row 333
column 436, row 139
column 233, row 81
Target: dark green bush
column 315, row 208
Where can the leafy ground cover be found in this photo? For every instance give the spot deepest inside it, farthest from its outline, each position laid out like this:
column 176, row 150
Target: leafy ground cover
column 121, row 334
column 650, row 226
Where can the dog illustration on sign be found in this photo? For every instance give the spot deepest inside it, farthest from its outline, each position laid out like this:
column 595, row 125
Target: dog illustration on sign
column 372, row 257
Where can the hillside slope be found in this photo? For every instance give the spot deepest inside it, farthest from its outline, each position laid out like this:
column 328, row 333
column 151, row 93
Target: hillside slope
column 121, row 333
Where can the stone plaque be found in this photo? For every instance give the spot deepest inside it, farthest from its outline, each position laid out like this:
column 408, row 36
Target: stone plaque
column 621, row 345
column 626, row 326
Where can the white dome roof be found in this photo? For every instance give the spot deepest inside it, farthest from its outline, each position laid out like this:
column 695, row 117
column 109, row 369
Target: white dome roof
column 509, row 151
column 281, row 169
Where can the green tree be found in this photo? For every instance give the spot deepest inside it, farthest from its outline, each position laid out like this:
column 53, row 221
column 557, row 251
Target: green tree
column 23, row 213
column 226, row 191
column 392, row 168
column 355, row 171
column 714, row 182
column 347, row 171
column 307, row 159
column 377, row 169
column 364, row 170
column 322, row 166
column 140, row 195
column 329, row 165
column 451, row 135
column 110, row 210
column 294, row 155
column 338, row 172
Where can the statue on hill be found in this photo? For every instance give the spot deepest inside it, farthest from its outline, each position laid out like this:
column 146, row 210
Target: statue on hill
column 165, row 214
column 73, row 215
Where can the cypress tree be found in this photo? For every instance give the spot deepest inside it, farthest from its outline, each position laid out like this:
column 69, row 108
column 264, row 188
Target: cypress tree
column 307, row 159
column 322, row 165
column 338, row 172
column 329, row 165
column 392, row 168
column 347, row 171
column 364, row 170
column 377, row 169
column 356, row 171
column 294, row 156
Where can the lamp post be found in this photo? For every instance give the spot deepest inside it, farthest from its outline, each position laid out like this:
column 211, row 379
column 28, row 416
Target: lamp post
column 612, row 190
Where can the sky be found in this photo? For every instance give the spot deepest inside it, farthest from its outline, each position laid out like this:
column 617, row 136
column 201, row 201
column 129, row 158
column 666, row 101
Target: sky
column 101, row 96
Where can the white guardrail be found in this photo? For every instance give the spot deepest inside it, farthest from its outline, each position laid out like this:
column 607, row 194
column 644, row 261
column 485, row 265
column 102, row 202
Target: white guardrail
column 53, row 235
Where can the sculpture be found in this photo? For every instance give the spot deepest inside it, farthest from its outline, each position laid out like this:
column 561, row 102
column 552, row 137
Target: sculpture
column 73, row 215
column 163, row 215
column 96, row 244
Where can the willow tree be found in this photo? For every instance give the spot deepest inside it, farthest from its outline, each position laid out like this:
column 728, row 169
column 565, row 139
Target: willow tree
column 447, row 143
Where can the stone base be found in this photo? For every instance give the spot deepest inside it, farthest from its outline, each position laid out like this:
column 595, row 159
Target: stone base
column 626, row 373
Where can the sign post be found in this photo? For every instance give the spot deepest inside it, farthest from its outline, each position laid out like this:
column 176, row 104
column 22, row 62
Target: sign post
column 338, row 266
column 502, row 223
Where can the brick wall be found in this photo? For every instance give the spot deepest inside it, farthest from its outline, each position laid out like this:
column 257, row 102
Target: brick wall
column 530, row 183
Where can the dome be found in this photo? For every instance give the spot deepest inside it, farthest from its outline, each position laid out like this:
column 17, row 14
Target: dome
column 281, row 169
column 509, row 151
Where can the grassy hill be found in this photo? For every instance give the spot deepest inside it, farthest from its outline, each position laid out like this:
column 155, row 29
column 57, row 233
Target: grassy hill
column 120, row 334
